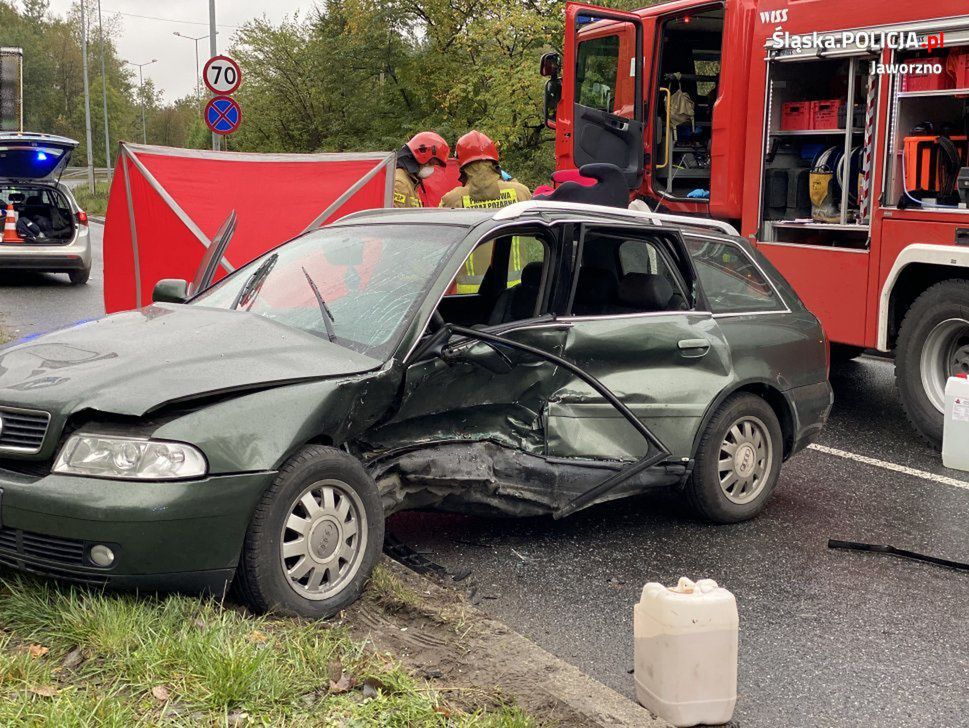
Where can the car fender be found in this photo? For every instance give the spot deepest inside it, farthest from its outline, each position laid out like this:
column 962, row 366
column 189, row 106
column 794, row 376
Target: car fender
column 260, row 430
column 758, row 386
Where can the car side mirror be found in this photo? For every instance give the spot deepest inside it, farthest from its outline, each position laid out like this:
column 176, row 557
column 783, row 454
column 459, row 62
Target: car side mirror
column 481, row 354
column 170, row 290
column 550, row 65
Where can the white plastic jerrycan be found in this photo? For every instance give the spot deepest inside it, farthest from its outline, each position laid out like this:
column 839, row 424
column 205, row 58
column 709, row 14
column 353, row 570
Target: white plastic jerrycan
column 686, row 652
column 955, row 427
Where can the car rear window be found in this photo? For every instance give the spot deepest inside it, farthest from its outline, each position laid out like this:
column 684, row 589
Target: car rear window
column 731, row 280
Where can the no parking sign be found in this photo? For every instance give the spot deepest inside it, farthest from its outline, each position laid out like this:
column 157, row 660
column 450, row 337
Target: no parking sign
column 222, row 77
column 223, row 115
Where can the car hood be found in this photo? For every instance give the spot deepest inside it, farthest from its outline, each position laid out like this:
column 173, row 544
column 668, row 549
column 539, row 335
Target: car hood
column 134, row 362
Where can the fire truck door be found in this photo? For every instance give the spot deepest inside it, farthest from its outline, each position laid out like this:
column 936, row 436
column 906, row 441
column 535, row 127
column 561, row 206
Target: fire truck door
column 603, row 65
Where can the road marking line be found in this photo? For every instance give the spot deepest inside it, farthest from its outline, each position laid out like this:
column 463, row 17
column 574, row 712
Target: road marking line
column 944, row 480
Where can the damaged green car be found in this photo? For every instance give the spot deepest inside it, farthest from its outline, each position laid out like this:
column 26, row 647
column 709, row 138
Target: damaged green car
column 528, row 361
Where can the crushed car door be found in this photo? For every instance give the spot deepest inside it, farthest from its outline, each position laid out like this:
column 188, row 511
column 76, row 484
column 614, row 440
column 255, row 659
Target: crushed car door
column 474, row 391
column 637, row 326
column 472, row 423
column 605, row 93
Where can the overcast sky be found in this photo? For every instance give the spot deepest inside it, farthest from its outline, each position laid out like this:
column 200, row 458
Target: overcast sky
column 152, row 34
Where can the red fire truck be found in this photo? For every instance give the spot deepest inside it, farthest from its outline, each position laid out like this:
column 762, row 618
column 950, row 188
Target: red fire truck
column 832, row 134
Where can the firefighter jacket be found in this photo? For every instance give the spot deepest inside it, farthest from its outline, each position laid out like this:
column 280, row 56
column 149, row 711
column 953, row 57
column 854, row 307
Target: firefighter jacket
column 484, row 188
column 405, row 190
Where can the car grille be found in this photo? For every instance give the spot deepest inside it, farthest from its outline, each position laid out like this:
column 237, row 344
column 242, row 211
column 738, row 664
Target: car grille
column 50, row 548
column 22, row 430
column 47, row 555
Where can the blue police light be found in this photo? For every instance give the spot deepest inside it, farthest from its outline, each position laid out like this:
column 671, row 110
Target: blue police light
column 41, row 157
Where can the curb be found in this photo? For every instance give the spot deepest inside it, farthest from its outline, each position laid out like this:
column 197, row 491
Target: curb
column 526, row 669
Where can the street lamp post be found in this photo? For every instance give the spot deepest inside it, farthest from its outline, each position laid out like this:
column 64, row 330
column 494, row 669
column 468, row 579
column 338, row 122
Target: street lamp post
column 198, row 87
column 87, row 101
column 104, row 95
column 141, row 83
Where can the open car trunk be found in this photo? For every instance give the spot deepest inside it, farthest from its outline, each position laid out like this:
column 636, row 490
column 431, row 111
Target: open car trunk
column 45, row 207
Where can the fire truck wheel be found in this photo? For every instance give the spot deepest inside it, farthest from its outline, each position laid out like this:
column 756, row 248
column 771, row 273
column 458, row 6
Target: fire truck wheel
column 933, row 344
column 314, row 538
column 738, row 461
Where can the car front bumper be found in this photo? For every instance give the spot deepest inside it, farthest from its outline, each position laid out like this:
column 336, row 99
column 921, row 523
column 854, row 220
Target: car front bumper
column 75, row 255
column 168, row 536
column 811, row 407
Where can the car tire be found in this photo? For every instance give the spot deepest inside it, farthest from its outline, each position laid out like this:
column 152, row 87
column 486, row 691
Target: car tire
column 933, row 342
column 746, row 430
column 321, row 566
column 79, row 277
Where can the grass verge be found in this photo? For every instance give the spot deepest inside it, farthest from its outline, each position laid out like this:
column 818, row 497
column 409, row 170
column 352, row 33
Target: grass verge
column 93, row 203
column 75, row 657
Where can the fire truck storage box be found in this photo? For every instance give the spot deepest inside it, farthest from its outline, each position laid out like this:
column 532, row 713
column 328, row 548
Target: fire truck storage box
column 797, row 116
column 928, row 81
column 922, row 160
column 686, row 652
column 960, row 65
column 828, row 114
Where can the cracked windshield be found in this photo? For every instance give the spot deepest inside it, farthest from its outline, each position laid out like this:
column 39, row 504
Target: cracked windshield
column 353, row 287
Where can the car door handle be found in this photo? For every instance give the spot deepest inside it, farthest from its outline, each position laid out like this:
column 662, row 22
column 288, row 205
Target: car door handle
column 693, row 348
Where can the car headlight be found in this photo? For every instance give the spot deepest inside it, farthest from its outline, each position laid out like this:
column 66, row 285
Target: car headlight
column 129, row 458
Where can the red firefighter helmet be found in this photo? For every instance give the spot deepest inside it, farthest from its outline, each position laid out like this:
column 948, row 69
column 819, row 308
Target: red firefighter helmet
column 475, row 146
column 429, row 148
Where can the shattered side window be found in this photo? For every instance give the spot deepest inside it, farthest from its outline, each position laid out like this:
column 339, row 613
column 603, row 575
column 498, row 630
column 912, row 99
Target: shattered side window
column 365, row 281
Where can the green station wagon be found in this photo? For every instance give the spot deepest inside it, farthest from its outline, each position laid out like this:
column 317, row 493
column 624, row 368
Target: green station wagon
column 528, row 361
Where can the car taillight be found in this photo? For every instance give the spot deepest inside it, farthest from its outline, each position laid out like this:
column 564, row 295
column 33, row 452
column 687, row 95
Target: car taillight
column 81, row 217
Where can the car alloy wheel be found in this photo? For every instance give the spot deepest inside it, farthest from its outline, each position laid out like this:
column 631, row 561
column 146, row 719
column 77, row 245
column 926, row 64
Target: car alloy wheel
column 323, row 540
column 746, row 456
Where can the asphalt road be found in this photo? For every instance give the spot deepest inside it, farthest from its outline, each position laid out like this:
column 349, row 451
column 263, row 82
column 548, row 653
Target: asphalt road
column 828, row 638
column 33, row 303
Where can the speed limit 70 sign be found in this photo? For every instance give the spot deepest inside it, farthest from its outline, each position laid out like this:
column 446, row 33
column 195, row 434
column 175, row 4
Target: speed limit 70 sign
column 222, row 75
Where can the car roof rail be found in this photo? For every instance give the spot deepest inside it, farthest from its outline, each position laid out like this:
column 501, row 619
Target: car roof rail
column 657, row 218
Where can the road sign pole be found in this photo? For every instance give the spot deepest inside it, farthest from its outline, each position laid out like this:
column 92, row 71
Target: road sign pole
column 213, row 51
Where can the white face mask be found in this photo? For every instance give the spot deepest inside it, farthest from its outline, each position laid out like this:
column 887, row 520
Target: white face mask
column 426, row 171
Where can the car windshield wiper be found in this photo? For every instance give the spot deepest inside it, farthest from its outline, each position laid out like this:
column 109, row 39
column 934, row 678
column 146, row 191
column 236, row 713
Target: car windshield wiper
column 250, row 289
column 328, row 319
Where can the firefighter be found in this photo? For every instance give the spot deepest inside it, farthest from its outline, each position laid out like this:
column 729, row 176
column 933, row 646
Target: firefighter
column 415, row 163
column 481, row 181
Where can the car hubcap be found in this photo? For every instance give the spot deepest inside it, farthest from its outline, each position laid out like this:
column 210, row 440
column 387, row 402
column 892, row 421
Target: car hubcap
column 945, row 354
column 323, row 539
column 746, row 455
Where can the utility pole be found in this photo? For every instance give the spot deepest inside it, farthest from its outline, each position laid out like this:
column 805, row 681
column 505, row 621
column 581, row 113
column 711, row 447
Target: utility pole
column 198, row 76
column 87, row 101
column 141, row 83
column 213, row 51
column 104, row 96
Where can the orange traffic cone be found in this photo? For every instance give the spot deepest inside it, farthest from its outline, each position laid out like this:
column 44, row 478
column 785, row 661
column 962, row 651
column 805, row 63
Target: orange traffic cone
column 10, row 227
